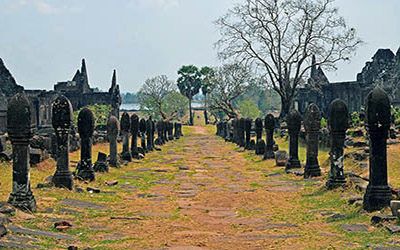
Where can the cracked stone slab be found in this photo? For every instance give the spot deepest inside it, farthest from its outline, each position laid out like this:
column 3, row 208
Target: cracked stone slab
column 82, row 204
column 32, row 232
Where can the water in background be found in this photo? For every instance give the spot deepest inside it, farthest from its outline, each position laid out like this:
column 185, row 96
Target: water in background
column 136, row 106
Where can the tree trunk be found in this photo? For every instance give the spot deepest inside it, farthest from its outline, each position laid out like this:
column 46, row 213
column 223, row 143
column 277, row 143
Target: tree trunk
column 205, row 110
column 190, row 111
column 286, row 104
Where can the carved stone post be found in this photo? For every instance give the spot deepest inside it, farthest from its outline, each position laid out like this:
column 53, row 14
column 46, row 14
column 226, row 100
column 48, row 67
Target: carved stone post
column 125, row 129
column 112, row 133
column 338, row 123
column 269, row 124
column 135, row 134
column 378, row 194
column 228, row 131
column 235, row 130
column 142, row 129
column 84, row 170
column 312, row 125
column 248, row 123
column 294, row 125
column 242, row 125
column 62, row 121
column 160, row 140
column 149, row 129
column 20, row 130
column 260, row 143
column 176, row 131
column 170, row 131
column 165, row 131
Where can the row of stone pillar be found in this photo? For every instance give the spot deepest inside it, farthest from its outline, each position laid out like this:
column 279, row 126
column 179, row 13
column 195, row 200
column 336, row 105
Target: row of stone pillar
column 378, row 118
column 20, row 131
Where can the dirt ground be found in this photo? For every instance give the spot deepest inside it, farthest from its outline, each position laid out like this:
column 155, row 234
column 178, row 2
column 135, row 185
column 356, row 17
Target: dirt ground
column 199, row 192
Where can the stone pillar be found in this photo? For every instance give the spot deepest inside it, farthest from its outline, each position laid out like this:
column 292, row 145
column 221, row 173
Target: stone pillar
column 125, row 129
column 269, row 124
column 142, row 128
column 170, row 131
column 241, row 132
column 165, row 131
column 84, row 170
column 247, row 128
column 338, row 123
column 176, row 131
column 294, row 125
column 149, row 129
column 235, row 131
column 228, row 131
column 378, row 194
column 135, row 134
column 312, row 125
column 112, row 133
column 62, row 121
column 20, row 130
column 260, row 143
column 160, row 140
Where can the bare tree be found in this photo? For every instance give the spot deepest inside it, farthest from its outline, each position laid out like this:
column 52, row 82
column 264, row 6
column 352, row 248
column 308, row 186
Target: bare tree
column 160, row 97
column 229, row 82
column 280, row 37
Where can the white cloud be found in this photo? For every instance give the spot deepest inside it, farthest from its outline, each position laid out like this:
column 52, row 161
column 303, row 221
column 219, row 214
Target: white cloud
column 41, row 6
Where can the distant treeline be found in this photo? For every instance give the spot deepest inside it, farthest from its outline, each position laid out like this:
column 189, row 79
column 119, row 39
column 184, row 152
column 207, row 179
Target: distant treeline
column 129, row 98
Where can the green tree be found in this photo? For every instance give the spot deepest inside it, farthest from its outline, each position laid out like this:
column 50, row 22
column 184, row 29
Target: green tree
column 189, row 84
column 207, row 74
column 249, row 109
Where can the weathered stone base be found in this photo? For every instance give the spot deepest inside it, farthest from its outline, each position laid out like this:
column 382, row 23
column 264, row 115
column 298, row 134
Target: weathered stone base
column 269, row 154
column 376, row 198
column 101, row 167
column 260, row 147
column 126, row 156
column 293, row 163
column 333, row 183
column 312, row 171
column 63, row 180
column 25, row 202
column 85, row 171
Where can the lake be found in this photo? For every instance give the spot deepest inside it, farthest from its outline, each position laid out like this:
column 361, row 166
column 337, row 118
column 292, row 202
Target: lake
column 136, row 106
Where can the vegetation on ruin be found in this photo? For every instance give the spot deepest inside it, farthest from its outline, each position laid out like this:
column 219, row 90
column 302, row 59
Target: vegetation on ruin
column 100, row 113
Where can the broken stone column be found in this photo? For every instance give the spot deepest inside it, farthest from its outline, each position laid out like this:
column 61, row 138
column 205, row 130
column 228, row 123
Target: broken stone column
column 142, row 129
column 338, row 123
column 84, row 169
column 312, row 125
column 294, row 125
column 135, row 134
column 125, row 129
column 269, row 124
column 149, row 129
column 20, row 131
column 378, row 194
column 112, row 133
column 101, row 165
column 62, row 121
column 248, row 123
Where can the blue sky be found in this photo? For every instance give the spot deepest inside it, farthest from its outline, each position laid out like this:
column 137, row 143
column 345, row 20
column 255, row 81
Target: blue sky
column 43, row 41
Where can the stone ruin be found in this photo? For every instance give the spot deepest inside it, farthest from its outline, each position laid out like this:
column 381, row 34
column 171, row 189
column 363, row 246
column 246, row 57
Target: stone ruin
column 382, row 71
column 79, row 93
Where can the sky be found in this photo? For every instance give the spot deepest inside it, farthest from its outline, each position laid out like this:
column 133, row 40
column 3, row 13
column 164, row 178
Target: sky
column 42, row 42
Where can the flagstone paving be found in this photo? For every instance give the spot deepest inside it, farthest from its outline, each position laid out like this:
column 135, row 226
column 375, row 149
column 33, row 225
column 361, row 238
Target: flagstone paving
column 197, row 193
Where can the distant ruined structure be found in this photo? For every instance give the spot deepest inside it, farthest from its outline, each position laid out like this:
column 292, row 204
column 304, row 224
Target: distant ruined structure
column 383, row 71
column 77, row 90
